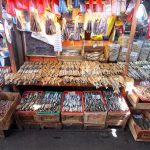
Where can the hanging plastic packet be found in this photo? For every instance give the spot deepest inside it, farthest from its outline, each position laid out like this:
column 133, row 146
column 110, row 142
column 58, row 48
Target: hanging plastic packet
column 148, row 32
column 91, row 5
column 22, row 4
column 116, row 7
column 62, row 7
column 99, row 6
column 69, row 5
column 82, row 6
column 107, row 8
column 40, row 6
column 65, row 33
column 123, row 6
column 34, row 21
column 76, row 4
column 76, row 30
column 55, row 7
column 50, row 27
column 10, row 7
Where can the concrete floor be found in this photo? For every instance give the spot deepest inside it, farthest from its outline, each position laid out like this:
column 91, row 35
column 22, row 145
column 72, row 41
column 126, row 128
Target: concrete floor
column 46, row 139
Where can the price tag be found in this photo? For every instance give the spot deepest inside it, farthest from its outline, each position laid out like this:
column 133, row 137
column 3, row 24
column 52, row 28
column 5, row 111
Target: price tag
column 124, row 49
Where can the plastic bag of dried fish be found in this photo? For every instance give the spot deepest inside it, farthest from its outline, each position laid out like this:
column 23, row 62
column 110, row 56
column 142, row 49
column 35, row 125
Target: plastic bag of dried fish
column 113, row 51
column 123, row 40
column 122, row 54
column 72, row 102
column 136, row 48
column 144, row 51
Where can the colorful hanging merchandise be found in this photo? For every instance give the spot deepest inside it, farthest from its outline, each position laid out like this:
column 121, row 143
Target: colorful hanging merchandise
column 69, row 5
column 99, row 6
column 62, row 7
column 65, row 33
column 10, row 7
column 34, row 21
column 55, row 7
column 91, row 5
column 22, row 4
column 82, row 6
column 76, row 4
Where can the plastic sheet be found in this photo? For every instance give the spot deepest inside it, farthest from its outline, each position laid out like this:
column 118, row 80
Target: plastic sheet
column 10, row 7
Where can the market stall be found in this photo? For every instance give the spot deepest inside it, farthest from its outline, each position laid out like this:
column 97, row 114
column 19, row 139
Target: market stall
column 78, row 61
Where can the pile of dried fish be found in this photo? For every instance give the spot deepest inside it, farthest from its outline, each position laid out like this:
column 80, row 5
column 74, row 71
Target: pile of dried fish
column 71, row 53
column 50, row 102
column 3, row 71
column 30, row 101
column 142, row 121
column 72, row 102
column 29, row 73
column 143, row 91
column 94, row 102
column 4, row 107
column 115, row 102
column 139, row 70
column 70, row 69
column 95, row 56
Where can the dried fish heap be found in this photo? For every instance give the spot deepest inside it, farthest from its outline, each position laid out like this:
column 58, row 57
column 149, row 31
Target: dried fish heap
column 29, row 73
column 72, row 102
column 142, row 121
column 50, row 73
column 143, row 92
column 4, row 107
column 30, row 101
column 139, row 70
column 3, row 71
column 115, row 102
column 50, row 102
column 94, row 102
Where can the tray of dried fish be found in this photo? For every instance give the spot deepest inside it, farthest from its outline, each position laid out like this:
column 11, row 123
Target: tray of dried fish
column 72, row 107
column 139, row 70
column 49, row 110
column 139, row 126
column 95, row 111
column 8, row 103
column 143, row 92
column 3, row 71
column 28, row 106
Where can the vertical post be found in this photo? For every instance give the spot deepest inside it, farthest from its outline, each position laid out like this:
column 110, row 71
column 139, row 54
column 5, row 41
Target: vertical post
column 132, row 33
column 9, row 45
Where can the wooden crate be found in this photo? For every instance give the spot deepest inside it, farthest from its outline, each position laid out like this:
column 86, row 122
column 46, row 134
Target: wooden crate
column 89, row 126
column 137, row 103
column 72, row 117
column 138, row 133
column 6, row 121
column 117, row 118
column 96, row 118
column 51, row 125
column 25, row 117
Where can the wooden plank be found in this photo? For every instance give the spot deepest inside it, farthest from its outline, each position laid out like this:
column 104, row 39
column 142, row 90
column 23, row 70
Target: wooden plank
column 132, row 33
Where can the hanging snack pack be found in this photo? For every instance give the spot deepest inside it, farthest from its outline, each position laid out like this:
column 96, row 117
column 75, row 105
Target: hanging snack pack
column 136, row 48
column 50, row 27
column 145, row 50
column 35, row 21
column 113, row 51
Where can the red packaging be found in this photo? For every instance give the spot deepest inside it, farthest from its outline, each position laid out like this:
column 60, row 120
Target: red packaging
column 22, row 4
column 10, row 7
column 99, row 6
column 91, row 5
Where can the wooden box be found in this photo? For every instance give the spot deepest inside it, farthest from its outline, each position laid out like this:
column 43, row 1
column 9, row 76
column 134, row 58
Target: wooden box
column 137, row 103
column 51, row 125
column 138, row 133
column 93, row 126
column 6, row 121
column 72, row 117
